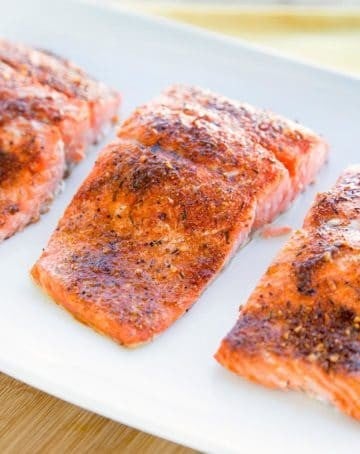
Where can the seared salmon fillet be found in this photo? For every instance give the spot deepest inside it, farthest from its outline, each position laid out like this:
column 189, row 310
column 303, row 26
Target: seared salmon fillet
column 65, row 77
column 299, row 149
column 32, row 165
column 300, row 328
column 268, row 155
column 144, row 235
column 162, row 212
column 49, row 96
column 21, row 96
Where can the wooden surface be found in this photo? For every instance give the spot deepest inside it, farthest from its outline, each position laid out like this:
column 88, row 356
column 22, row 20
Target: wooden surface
column 34, row 422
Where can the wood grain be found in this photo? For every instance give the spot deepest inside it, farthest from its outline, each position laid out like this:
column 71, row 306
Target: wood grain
column 34, row 422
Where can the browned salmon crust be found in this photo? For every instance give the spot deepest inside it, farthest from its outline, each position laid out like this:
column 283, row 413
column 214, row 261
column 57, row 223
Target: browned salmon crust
column 31, row 167
column 48, row 107
column 268, row 155
column 65, row 77
column 21, row 96
column 300, row 329
column 161, row 213
column 147, row 231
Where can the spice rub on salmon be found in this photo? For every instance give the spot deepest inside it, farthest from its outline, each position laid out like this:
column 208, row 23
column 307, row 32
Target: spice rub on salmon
column 32, row 165
column 201, row 114
column 169, row 203
column 226, row 152
column 21, row 96
column 300, row 328
column 146, row 233
column 49, row 96
column 67, row 78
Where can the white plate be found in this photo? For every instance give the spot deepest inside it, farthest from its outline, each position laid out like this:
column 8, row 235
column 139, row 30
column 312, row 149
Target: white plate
column 172, row 387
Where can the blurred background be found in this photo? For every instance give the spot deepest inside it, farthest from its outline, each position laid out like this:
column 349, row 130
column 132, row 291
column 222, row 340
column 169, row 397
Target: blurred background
column 262, row 2
column 323, row 32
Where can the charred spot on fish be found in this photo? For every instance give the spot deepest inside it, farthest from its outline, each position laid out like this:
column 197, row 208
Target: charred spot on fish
column 305, row 268
column 11, row 108
column 150, row 173
column 13, row 208
column 303, row 272
column 323, row 333
column 9, row 165
column 155, row 243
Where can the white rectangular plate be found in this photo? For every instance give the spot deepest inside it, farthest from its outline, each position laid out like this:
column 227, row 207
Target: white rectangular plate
column 172, row 387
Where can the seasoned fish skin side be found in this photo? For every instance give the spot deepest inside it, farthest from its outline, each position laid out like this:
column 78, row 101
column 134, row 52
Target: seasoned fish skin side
column 145, row 234
column 32, row 165
column 300, row 328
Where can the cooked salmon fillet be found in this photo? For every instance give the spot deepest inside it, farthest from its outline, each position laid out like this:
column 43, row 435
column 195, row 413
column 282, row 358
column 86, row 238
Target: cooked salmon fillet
column 32, row 165
column 159, row 216
column 269, row 156
column 147, row 231
column 20, row 95
column 50, row 111
column 65, row 77
column 300, row 328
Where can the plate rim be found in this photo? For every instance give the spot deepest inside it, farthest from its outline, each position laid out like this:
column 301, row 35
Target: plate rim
column 235, row 41
column 49, row 385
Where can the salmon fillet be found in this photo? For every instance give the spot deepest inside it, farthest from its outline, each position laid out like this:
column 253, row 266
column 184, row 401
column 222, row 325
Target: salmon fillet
column 300, row 328
column 299, row 149
column 31, row 168
column 267, row 155
column 50, row 111
column 65, row 77
column 144, row 235
column 20, row 95
column 159, row 216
